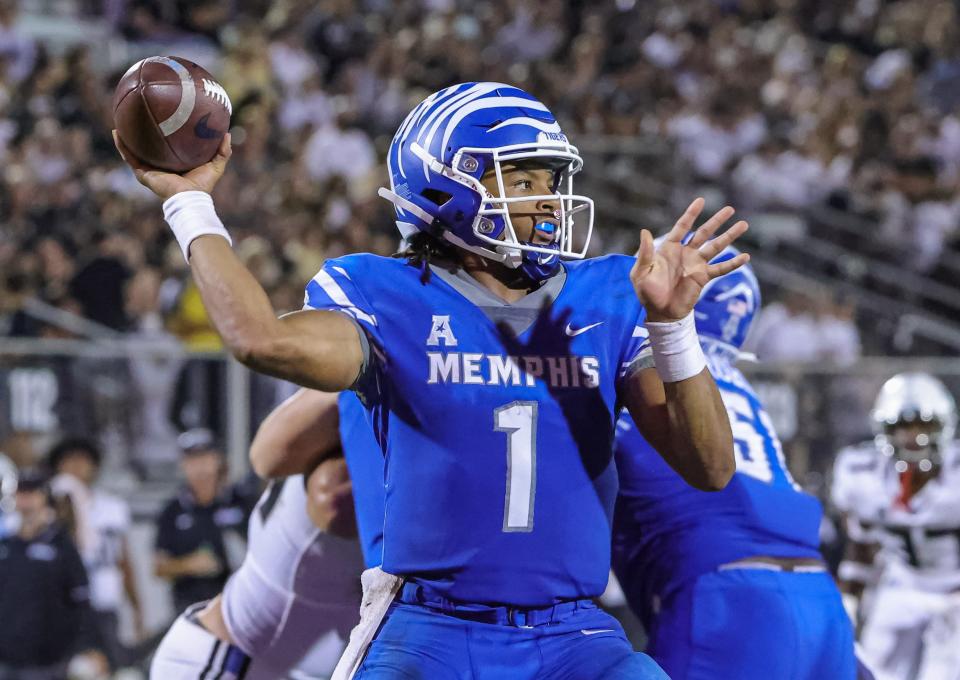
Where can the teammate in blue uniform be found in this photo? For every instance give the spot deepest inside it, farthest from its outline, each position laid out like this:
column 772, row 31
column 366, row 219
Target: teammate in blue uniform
column 728, row 584
column 492, row 372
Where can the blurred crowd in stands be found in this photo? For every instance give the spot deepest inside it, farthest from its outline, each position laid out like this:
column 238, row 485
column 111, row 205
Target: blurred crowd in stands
column 785, row 104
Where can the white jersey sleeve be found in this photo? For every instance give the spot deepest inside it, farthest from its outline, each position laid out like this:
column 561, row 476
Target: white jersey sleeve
column 857, row 490
column 297, row 590
column 854, row 474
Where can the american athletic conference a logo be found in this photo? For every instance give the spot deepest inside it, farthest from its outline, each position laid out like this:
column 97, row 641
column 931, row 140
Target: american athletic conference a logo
column 440, row 330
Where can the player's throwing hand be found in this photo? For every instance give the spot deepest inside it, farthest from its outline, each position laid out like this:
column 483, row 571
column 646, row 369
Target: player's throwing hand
column 668, row 279
column 165, row 184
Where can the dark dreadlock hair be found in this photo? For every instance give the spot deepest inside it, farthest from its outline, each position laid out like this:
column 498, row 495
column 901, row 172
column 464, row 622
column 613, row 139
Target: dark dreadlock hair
column 423, row 247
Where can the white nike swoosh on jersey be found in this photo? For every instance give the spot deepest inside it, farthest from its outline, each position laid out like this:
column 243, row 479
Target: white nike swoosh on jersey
column 598, row 630
column 575, row 332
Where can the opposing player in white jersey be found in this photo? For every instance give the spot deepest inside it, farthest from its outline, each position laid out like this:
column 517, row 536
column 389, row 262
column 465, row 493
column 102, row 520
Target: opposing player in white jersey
column 288, row 610
column 900, row 496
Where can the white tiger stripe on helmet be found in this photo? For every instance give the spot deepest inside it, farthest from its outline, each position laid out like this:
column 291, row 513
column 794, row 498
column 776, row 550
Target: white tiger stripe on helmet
column 488, row 103
column 413, row 118
column 188, row 96
column 433, row 121
column 440, row 106
column 433, row 99
column 531, row 122
column 399, row 136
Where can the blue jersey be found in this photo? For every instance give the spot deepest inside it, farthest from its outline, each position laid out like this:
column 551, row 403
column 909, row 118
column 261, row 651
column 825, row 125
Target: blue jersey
column 496, row 420
column 666, row 532
column 365, row 462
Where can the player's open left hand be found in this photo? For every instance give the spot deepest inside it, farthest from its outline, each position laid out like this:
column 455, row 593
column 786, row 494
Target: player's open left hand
column 668, row 279
column 165, row 184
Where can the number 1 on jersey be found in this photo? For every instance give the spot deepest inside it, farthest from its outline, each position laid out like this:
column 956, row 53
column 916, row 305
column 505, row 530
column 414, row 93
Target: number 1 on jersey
column 519, row 421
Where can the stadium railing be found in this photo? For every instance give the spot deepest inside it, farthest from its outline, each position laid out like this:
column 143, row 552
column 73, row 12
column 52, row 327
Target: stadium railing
column 133, row 395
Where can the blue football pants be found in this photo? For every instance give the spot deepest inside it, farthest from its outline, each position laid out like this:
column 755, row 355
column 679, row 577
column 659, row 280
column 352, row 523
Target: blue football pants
column 417, row 643
column 755, row 625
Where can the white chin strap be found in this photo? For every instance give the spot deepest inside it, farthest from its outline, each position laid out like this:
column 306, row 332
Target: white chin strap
column 513, row 258
column 510, row 257
column 404, row 204
column 505, row 255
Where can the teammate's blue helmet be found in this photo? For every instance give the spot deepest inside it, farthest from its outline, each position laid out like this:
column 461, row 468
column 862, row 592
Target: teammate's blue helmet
column 455, row 136
column 728, row 304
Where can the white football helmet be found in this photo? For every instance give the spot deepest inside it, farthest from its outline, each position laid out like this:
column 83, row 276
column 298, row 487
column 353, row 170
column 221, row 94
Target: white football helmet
column 910, row 399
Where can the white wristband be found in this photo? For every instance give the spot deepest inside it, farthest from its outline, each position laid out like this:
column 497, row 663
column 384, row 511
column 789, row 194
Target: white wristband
column 190, row 215
column 676, row 348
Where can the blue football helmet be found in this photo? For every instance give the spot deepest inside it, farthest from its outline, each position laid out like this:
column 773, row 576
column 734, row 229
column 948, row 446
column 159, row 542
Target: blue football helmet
column 728, row 304
column 450, row 141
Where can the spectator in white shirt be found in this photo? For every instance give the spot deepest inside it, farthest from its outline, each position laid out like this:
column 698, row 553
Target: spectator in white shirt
column 105, row 520
column 339, row 150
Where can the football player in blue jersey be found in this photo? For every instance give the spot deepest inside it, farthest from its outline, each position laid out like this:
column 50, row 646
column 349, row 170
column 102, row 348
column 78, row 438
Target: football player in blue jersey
column 728, row 584
column 492, row 360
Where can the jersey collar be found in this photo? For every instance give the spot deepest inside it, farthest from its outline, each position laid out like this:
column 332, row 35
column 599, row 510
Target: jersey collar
column 517, row 316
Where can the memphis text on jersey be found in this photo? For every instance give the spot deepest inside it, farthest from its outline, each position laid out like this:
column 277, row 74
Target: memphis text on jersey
column 475, row 368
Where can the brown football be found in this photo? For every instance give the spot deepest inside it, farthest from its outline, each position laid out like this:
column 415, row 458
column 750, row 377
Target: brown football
column 171, row 113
